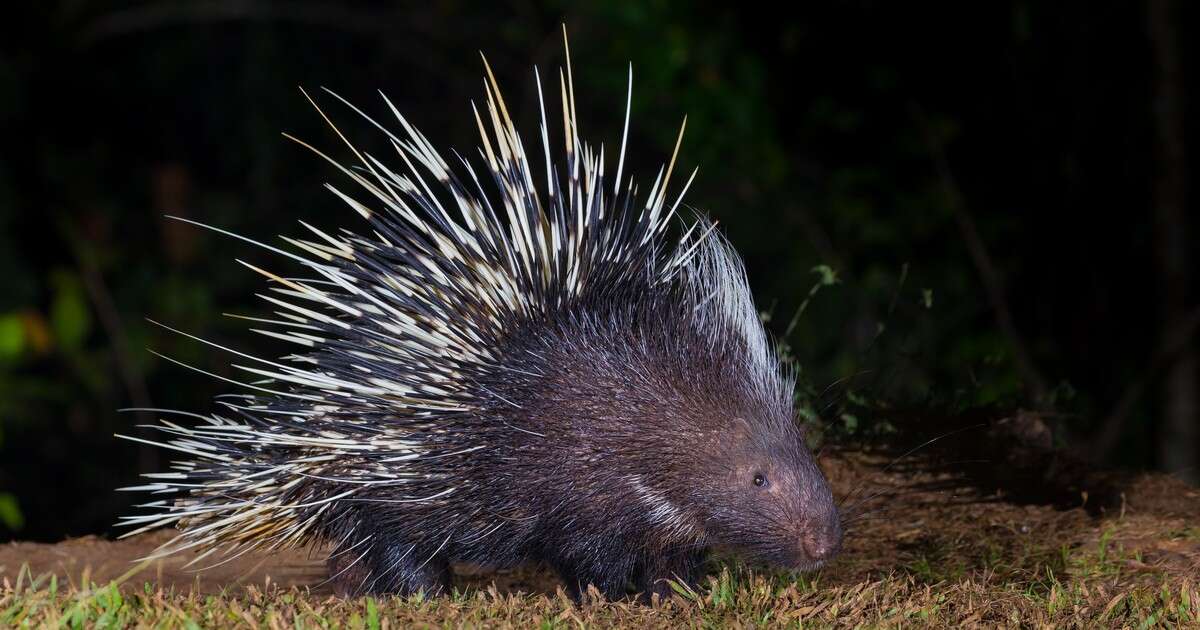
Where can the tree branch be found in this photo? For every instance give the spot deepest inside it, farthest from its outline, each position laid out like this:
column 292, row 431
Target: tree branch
column 1175, row 344
column 993, row 283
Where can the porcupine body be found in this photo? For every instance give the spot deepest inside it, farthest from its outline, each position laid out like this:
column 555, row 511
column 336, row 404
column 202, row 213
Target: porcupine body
column 517, row 365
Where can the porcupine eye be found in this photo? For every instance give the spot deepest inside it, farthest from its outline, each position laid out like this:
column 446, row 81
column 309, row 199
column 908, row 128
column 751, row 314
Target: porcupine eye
column 760, row 480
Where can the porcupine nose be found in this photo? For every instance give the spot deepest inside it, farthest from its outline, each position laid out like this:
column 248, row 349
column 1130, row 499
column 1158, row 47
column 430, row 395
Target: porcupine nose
column 823, row 538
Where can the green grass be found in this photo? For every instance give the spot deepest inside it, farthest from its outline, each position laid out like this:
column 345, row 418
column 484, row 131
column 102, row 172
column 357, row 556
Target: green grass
column 734, row 597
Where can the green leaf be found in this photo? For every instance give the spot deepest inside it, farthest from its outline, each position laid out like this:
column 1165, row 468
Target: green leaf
column 828, row 275
column 372, row 614
column 683, row 590
column 70, row 318
column 10, row 512
column 12, row 336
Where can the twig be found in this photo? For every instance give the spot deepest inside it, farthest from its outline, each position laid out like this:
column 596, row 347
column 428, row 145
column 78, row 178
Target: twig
column 817, row 237
column 1177, row 434
column 993, row 284
column 110, row 318
column 1175, row 343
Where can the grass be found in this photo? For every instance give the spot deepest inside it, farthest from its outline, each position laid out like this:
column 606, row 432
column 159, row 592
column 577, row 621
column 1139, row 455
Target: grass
column 1090, row 594
column 933, row 561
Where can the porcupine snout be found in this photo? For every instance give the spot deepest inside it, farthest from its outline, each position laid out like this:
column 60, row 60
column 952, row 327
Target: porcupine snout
column 820, row 535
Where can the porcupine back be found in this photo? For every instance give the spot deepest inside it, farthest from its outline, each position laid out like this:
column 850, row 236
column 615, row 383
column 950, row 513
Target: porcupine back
column 490, row 371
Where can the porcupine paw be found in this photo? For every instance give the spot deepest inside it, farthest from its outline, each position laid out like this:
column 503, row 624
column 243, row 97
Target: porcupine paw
column 398, row 570
column 611, row 580
column 655, row 574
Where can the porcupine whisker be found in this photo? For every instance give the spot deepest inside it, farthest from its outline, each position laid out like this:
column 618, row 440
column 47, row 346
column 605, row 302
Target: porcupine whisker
column 894, row 492
column 841, row 380
column 844, row 380
column 907, row 454
column 854, row 526
column 859, row 516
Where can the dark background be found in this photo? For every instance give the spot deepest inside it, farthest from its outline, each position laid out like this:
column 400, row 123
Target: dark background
column 1001, row 188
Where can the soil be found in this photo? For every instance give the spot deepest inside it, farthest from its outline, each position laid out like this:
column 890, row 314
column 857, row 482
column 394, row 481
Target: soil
column 923, row 523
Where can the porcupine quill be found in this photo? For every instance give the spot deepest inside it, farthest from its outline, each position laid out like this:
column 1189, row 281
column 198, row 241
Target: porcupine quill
column 519, row 367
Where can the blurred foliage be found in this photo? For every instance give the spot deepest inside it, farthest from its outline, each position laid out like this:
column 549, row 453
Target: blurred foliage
column 803, row 119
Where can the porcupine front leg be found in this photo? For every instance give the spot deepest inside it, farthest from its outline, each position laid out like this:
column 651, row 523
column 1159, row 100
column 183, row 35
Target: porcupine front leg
column 654, row 573
column 610, row 576
column 399, row 569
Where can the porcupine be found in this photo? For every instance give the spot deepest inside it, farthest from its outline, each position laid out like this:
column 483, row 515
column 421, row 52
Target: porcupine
column 503, row 374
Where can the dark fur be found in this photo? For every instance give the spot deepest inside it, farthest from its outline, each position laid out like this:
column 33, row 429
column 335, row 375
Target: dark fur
column 613, row 387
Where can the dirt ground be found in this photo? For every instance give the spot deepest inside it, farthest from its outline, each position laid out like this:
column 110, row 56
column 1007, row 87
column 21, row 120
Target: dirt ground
column 915, row 528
